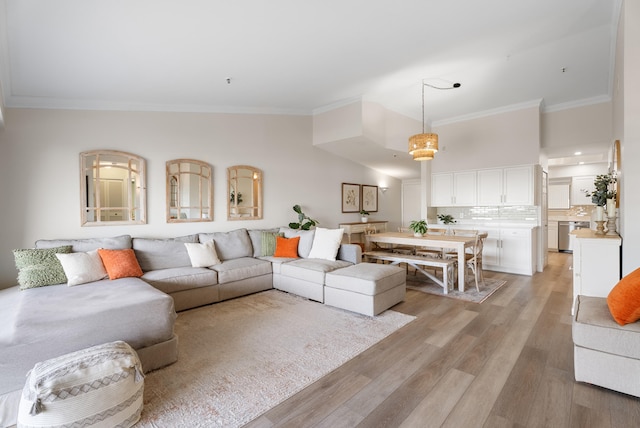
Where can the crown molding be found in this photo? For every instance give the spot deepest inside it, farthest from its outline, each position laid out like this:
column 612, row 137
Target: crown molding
column 492, row 112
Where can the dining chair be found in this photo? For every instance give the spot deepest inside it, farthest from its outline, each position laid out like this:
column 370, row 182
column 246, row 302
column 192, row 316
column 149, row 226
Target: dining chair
column 474, row 261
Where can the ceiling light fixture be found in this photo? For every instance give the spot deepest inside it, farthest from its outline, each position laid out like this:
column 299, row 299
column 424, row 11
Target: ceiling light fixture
column 424, row 146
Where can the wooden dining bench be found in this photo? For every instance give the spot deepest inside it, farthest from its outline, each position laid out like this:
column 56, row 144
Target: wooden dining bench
column 447, row 265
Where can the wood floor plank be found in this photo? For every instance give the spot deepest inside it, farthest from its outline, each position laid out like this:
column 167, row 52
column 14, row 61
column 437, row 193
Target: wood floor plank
column 435, row 407
column 551, row 406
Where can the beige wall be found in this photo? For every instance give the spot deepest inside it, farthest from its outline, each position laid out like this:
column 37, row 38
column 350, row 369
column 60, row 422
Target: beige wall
column 630, row 198
column 580, row 127
column 511, row 138
column 39, row 169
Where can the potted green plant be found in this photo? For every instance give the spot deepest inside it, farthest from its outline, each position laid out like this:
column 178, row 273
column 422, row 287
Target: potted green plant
column 304, row 222
column 446, row 219
column 363, row 215
column 419, row 227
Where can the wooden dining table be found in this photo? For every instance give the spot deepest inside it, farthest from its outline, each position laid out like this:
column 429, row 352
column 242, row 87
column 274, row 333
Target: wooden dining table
column 454, row 242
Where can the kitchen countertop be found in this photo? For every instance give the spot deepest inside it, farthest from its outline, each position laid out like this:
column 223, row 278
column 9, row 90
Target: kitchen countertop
column 591, row 234
column 569, row 218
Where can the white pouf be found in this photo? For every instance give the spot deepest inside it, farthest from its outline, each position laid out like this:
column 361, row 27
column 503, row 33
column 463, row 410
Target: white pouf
column 101, row 386
column 366, row 288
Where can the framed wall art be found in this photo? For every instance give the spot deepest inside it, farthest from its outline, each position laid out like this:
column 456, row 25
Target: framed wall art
column 350, row 198
column 370, row 198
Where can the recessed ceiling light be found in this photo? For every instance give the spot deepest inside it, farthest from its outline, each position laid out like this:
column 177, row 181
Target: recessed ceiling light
column 577, row 153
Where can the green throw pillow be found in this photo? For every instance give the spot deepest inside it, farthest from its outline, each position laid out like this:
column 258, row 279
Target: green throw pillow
column 40, row 267
column 268, row 241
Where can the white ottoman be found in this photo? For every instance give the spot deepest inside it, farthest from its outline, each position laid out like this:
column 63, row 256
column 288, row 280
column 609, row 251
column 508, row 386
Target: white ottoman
column 366, row 288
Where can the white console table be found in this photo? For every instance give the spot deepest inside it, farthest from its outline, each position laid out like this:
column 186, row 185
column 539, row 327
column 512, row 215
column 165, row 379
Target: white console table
column 359, row 227
column 596, row 263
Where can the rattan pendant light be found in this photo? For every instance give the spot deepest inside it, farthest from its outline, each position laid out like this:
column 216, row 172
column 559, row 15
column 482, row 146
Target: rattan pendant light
column 423, row 146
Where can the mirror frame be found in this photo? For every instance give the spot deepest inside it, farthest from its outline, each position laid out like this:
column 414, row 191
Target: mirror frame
column 257, row 177
column 203, row 166
column 127, row 159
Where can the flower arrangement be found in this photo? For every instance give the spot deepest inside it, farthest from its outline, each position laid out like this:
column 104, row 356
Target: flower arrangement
column 363, row 212
column 603, row 189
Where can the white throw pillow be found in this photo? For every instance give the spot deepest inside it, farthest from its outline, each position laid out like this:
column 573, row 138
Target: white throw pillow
column 81, row 268
column 326, row 243
column 202, row 255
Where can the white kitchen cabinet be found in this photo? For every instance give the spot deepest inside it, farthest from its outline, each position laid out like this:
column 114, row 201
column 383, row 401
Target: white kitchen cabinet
column 559, row 196
column 457, row 189
column 578, row 187
column 552, row 241
column 596, row 263
column 506, row 186
column 510, row 249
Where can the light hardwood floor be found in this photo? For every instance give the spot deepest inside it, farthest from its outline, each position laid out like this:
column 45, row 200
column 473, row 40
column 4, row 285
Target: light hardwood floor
column 507, row 362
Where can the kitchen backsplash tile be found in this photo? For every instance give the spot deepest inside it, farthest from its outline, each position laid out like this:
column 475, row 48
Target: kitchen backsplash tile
column 497, row 214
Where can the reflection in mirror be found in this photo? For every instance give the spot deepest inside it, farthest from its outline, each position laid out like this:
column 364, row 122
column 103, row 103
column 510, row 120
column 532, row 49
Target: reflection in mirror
column 244, row 193
column 112, row 188
column 189, row 191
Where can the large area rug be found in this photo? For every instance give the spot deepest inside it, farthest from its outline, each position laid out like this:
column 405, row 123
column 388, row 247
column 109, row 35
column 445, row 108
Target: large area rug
column 241, row 357
column 420, row 282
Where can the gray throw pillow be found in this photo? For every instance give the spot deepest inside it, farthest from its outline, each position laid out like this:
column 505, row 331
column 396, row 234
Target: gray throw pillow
column 40, row 267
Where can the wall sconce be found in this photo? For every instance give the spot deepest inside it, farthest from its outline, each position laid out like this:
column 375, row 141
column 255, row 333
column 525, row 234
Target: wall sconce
column 384, row 189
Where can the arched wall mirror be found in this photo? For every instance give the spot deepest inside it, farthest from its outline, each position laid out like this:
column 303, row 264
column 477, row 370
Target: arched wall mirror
column 112, row 188
column 189, row 191
column 244, row 193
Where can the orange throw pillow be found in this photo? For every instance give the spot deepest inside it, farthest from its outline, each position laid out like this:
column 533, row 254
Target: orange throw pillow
column 287, row 247
column 120, row 263
column 624, row 299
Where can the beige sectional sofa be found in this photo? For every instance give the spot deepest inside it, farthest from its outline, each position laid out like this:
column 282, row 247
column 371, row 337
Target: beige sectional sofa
column 45, row 322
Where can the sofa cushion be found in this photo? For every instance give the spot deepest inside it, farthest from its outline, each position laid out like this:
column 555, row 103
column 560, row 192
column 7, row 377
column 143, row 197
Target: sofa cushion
column 366, row 278
column 312, row 270
column 306, row 239
column 241, row 268
column 120, row 263
column 326, row 243
column 183, row 278
column 257, row 241
column 230, row 245
column 167, row 253
column 287, row 247
column 202, row 255
column 40, row 267
column 80, row 268
column 83, row 245
column 277, row 262
column 594, row 328
column 624, row 299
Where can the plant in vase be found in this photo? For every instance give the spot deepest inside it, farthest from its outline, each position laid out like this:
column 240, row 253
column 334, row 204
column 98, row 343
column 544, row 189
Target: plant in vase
column 419, row 227
column 363, row 215
column 602, row 193
column 447, row 220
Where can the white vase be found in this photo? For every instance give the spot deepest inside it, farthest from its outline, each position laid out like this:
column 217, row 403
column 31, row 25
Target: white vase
column 598, row 213
column 417, row 235
column 611, row 208
column 364, row 219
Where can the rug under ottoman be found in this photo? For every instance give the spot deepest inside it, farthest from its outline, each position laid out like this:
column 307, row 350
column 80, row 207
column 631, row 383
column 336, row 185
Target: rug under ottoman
column 366, row 288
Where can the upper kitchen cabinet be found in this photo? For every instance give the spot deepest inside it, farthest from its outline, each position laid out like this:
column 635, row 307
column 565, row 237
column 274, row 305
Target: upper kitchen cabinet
column 506, row 186
column 559, row 196
column 579, row 185
column 454, row 189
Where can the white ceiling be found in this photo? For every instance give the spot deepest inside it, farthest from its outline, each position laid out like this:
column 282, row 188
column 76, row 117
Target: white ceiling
column 297, row 57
